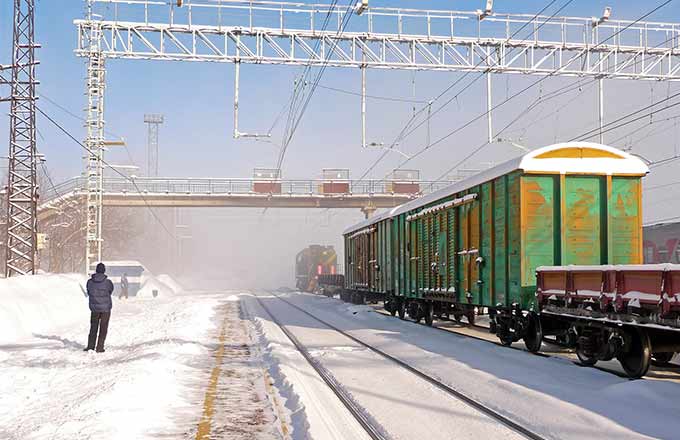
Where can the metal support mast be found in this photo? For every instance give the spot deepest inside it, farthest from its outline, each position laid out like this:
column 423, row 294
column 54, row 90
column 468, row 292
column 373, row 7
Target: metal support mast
column 489, row 107
column 153, row 121
column 94, row 170
column 22, row 188
column 600, row 102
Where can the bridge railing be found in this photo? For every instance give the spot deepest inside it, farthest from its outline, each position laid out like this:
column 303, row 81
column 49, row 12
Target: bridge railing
column 222, row 186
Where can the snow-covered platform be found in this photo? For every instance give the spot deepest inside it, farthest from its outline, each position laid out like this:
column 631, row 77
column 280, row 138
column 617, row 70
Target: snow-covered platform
column 181, row 365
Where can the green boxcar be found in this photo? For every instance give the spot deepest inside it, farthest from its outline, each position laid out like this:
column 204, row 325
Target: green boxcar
column 476, row 244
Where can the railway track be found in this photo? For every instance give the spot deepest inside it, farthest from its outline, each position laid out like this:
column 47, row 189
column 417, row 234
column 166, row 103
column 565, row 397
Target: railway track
column 518, row 428
column 560, row 354
column 355, row 410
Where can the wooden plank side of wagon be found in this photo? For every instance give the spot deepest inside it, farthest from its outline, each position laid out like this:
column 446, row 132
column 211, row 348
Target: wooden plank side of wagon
column 582, row 220
column 625, row 220
column 500, row 251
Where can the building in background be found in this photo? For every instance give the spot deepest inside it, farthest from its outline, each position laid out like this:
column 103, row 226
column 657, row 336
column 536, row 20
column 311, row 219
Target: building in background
column 661, row 243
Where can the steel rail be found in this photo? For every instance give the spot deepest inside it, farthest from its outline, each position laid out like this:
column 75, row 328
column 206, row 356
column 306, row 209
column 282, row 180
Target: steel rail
column 431, row 380
column 354, row 409
column 498, row 343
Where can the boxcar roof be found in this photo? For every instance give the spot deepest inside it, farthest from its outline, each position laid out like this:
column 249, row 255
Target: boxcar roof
column 564, row 158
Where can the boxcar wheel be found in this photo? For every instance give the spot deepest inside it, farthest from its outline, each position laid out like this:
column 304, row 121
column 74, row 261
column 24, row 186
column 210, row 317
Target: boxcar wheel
column 534, row 335
column 662, row 359
column 429, row 313
column 636, row 360
column 393, row 306
column 470, row 315
column 504, row 335
column 401, row 309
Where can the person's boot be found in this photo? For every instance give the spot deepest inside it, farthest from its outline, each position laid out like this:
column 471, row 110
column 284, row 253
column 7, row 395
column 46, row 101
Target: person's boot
column 100, row 350
column 87, row 349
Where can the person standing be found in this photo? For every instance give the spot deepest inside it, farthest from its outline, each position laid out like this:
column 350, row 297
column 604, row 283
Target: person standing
column 99, row 291
column 124, row 286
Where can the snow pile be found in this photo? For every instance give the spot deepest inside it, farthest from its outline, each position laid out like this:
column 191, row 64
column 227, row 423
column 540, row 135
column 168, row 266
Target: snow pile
column 151, row 283
column 170, row 282
column 39, row 304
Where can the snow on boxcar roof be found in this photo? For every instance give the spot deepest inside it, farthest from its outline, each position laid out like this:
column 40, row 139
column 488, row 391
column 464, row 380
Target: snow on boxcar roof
column 564, row 158
column 369, row 221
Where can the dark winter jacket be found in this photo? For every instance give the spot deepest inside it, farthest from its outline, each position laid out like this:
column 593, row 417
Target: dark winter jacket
column 99, row 290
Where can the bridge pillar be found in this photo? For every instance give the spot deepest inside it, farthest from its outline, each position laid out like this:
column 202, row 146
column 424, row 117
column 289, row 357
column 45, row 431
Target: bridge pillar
column 368, row 210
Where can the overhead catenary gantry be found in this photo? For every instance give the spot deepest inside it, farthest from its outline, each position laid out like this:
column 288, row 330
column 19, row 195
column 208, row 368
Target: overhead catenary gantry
column 272, row 32
column 269, row 32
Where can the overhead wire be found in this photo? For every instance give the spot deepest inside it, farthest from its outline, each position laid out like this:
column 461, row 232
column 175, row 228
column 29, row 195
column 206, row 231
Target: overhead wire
column 648, row 134
column 345, row 21
column 407, row 130
column 376, row 97
column 107, row 165
column 585, row 85
column 300, row 84
column 535, row 83
column 80, row 118
column 596, row 131
column 476, row 150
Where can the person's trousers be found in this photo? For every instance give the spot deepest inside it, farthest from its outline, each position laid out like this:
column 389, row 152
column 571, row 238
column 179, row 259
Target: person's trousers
column 98, row 321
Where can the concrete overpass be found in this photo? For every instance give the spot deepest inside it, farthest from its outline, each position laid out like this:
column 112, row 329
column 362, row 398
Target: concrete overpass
column 366, row 195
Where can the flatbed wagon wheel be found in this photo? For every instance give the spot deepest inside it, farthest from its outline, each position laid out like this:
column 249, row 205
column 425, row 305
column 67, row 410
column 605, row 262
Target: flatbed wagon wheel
column 636, row 359
column 429, row 313
column 506, row 340
column 662, row 359
column 584, row 358
column 534, row 335
column 401, row 309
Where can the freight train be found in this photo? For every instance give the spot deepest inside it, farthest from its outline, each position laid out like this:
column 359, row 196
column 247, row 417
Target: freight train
column 311, row 262
column 567, row 215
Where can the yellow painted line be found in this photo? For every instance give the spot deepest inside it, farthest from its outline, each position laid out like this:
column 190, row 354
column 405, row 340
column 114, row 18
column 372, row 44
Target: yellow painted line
column 276, row 404
column 203, row 432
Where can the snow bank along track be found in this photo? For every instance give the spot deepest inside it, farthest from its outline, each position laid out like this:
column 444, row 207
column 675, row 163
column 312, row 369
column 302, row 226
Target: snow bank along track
column 373, row 431
column 431, row 380
column 457, row 331
column 486, row 329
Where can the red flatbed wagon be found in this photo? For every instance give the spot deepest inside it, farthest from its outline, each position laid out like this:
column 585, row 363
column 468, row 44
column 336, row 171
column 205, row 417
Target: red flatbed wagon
column 628, row 312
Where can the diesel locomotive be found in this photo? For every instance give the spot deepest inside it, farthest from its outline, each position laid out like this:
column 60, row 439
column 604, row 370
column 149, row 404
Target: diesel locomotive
column 311, row 262
column 479, row 245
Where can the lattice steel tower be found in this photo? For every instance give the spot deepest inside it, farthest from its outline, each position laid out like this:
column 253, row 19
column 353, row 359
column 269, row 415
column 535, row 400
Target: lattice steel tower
column 22, row 187
column 153, row 121
column 94, row 123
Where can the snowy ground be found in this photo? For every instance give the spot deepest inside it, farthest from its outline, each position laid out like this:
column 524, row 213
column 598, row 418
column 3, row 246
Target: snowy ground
column 551, row 396
column 176, row 366
column 202, row 365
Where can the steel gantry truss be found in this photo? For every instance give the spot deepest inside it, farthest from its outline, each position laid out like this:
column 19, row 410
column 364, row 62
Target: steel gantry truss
column 22, row 187
column 273, row 32
column 94, row 142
